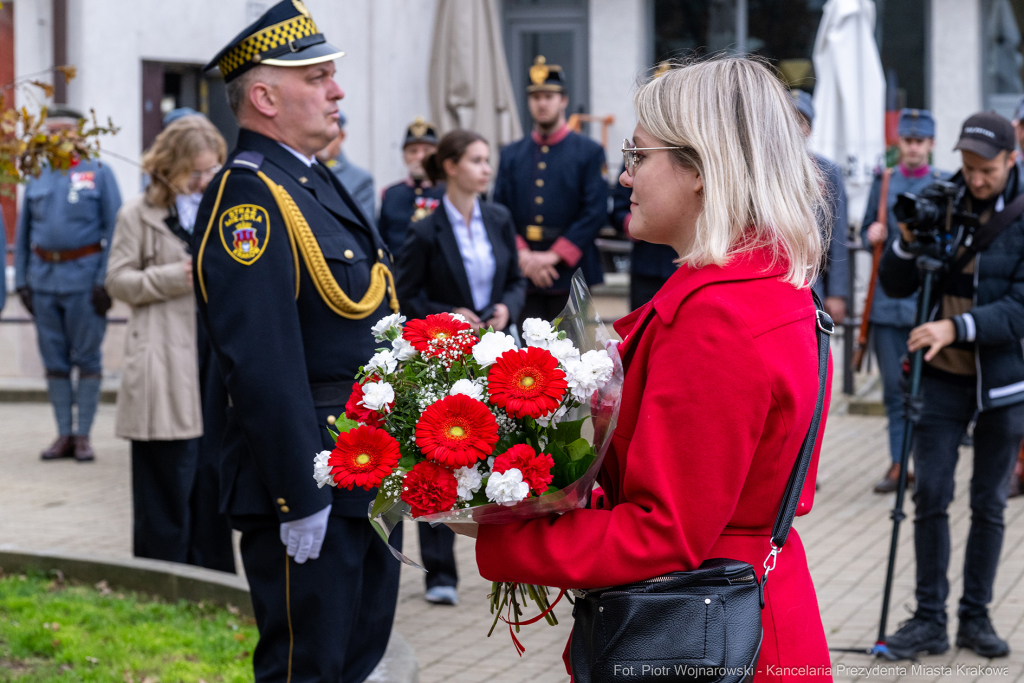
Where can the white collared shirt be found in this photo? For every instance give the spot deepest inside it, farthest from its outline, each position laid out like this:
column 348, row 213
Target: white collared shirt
column 188, row 207
column 308, row 161
column 477, row 254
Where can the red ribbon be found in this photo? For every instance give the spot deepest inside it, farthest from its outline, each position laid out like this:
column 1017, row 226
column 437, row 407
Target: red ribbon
column 520, row 648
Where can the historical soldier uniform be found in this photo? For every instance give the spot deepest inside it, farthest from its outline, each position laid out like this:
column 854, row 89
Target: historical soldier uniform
column 290, row 278
column 892, row 319
column 412, row 198
column 60, row 262
column 556, row 187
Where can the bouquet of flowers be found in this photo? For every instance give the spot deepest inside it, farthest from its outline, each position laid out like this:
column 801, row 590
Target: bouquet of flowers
column 457, row 425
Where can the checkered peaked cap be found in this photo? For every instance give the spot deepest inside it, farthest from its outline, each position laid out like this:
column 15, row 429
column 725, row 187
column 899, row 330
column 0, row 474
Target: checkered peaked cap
column 284, row 36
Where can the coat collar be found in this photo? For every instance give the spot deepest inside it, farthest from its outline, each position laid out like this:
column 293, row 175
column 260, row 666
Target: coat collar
column 154, row 216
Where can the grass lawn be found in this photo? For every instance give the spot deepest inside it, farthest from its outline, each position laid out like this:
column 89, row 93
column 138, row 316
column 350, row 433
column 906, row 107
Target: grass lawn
column 58, row 632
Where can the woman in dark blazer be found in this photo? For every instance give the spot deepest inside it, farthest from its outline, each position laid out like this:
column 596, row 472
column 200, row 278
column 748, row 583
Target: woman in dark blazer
column 462, row 257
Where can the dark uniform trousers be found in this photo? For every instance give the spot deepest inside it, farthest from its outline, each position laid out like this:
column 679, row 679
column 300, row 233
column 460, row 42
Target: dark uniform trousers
column 437, row 550
column 288, row 361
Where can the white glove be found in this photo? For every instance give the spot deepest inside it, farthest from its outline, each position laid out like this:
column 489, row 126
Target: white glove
column 304, row 537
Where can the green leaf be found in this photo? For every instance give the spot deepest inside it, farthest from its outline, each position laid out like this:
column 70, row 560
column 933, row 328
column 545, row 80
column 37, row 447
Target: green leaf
column 558, row 454
column 567, row 432
column 344, row 424
column 407, row 462
column 380, row 502
column 578, row 449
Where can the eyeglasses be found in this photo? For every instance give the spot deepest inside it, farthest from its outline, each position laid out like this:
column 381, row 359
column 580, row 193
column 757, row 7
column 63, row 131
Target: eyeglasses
column 631, row 158
column 205, row 175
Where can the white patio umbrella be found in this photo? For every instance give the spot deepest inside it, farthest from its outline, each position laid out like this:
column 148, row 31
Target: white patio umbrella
column 849, row 96
column 469, row 81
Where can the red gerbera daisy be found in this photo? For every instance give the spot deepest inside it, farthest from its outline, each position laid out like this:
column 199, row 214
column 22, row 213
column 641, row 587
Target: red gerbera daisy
column 526, row 382
column 457, row 431
column 363, row 457
column 429, row 488
column 440, row 334
column 355, row 410
column 536, row 468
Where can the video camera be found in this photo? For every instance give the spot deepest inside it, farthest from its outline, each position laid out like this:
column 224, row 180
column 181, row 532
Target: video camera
column 932, row 216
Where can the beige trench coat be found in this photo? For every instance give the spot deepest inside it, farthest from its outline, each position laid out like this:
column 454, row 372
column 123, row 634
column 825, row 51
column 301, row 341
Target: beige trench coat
column 159, row 395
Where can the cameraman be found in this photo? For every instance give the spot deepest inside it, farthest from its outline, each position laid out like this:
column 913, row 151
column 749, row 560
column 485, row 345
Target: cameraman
column 973, row 368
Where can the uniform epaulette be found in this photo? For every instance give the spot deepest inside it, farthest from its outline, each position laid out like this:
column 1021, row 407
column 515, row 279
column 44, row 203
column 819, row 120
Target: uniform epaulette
column 248, row 160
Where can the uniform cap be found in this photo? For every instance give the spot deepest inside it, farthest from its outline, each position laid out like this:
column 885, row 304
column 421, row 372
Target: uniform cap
column 804, row 103
column 986, row 134
column 420, row 131
column 284, row 36
column 916, row 123
column 546, row 77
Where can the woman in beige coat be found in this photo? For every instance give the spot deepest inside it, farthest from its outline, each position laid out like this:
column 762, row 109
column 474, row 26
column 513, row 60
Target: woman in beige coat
column 158, row 404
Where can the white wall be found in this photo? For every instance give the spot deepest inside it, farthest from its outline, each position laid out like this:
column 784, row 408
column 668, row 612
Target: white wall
column 955, row 74
column 618, row 56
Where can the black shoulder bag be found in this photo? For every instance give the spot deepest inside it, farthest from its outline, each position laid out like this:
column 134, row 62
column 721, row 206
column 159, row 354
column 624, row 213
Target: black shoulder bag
column 700, row 625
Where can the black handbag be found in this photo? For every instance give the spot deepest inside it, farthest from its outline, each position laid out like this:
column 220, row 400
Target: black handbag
column 701, row 625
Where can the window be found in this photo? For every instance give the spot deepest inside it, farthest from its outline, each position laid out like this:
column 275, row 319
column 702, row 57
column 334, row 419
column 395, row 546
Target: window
column 1002, row 57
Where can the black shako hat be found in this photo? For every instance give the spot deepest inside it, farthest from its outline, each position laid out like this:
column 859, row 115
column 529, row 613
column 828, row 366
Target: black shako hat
column 284, row 36
column 545, row 77
column 986, row 134
column 420, row 131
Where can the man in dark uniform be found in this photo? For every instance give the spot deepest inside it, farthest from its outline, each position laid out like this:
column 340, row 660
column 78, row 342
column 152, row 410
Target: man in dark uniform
column 415, row 197
column 554, row 183
column 289, row 278
column 60, row 263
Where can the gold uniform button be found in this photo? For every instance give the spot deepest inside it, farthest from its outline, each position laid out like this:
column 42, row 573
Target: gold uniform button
column 330, row 420
column 540, row 183
column 349, row 253
column 538, row 219
column 285, row 509
column 302, row 179
column 380, row 253
column 419, row 190
column 542, row 165
column 544, row 149
column 539, row 200
column 280, row 501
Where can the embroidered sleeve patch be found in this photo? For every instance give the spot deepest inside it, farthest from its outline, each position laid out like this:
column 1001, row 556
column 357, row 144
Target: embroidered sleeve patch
column 244, row 230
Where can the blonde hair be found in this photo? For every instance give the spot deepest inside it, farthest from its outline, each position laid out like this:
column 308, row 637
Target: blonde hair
column 173, row 154
column 739, row 131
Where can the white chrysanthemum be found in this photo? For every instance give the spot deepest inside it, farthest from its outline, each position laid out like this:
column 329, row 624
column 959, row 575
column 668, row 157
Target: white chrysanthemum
column 321, row 470
column 507, row 488
column 378, row 396
column 383, row 362
column 469, row 481
column 402, row 349
column 381, row 328
column 552, row 418
column 492, row 345
column 467, row 387
column 537, row 332
column 490, row 463
column 588, row 374
column 563, row 351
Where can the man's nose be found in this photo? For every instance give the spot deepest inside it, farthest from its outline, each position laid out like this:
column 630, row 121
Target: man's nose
column 334, row 91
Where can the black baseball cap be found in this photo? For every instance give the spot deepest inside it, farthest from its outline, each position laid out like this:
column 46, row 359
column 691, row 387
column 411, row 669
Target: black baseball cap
column 986, row 134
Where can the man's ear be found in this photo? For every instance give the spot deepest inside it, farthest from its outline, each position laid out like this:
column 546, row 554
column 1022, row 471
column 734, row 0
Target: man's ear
column 264, row 99
column 1011, row 158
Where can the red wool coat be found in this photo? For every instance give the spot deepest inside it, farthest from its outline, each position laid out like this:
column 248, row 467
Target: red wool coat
column 717, row 399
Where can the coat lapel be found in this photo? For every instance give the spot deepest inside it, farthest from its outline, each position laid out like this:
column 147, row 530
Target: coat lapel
column 498, row 249
column 450, row 248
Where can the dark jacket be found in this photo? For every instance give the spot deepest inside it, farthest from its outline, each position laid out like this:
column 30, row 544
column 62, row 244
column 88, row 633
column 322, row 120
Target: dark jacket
column 834, row 277
column 995, row 325
column 649, row 260
column 431, row 276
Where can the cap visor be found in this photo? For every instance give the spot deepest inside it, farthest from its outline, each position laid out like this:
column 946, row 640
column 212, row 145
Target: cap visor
column 980, row 147
column 545, row 88
column 314, row 54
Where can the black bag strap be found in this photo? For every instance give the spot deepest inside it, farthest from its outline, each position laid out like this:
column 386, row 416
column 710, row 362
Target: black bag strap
column 987, row 233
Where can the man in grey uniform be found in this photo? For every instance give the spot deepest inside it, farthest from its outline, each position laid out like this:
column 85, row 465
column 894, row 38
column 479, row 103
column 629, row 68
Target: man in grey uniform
column 63, row 237
column 357, row 181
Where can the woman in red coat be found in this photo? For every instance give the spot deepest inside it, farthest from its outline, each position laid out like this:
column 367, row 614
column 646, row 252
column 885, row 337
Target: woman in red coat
column 722, row 383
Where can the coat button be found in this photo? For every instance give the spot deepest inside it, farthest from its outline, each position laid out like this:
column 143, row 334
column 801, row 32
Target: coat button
column 303, row 179
column 542, row 165
column 285, row 509
column 419, row 190
column 380, row 253
column 539, row 200
column 600, row 609
column 540, row 183
column 538, row 219
column 349, row 253
column 544, row 149
column 330, row 420
column 280, row 501
column 707, row 601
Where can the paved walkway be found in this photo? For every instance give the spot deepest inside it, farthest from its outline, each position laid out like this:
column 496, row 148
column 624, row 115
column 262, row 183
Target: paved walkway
column 87, row 508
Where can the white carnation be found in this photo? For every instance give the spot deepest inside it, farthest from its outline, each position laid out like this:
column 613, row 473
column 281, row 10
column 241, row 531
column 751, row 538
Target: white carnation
column 552, row 418
column 383, row 362
column 507, row 488
column 321, row 470
column 469, row 481
column 381, row 328
column 492, row 345
column 402, row 349
column 458, row 316
column 378, row 396
column 563, row 350
column 537, row 332
column 467, row 387
column 588, row 374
